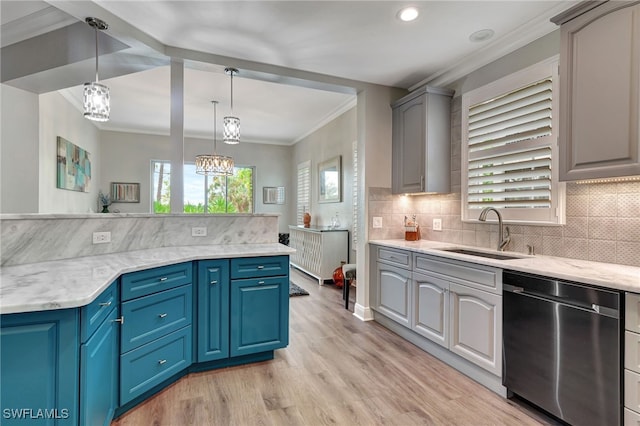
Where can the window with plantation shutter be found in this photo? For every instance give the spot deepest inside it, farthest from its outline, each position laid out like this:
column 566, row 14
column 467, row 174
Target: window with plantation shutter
column 509, row 147
column 304, row 188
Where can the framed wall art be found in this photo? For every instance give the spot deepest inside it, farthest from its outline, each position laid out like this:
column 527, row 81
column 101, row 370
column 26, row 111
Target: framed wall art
column 125, row 192
column 74, row 166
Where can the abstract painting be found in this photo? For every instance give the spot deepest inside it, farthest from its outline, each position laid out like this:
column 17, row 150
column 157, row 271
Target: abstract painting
column 74, row 167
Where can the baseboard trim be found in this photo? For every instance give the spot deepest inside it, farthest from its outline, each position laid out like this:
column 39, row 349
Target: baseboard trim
column 362, row 313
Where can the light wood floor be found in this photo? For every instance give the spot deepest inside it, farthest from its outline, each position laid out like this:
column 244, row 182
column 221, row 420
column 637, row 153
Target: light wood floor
column 336, row 370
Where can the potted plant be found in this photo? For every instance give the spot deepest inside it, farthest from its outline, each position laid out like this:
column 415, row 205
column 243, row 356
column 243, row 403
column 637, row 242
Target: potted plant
column 105, row 201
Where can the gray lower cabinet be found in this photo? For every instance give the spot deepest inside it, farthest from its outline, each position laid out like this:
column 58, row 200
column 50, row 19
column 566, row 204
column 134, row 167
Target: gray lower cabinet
column 476, row 326
column 394, row 292
column 456, row 304
column 431, row 304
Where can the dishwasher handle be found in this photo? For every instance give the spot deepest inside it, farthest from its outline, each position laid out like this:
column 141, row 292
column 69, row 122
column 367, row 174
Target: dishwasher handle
column 598, row 309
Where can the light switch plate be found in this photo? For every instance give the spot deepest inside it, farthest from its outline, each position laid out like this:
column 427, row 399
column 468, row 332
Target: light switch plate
column 437, row 224
column 377, row 222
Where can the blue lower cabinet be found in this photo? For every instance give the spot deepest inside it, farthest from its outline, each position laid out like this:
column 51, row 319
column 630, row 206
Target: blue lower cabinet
column 213, row 310
column 149, row 365
column 99, row 374
column 39, row 368
column 259, row 315
column 150, row 317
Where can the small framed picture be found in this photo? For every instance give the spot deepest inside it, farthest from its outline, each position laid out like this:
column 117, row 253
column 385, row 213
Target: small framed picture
column 125, row 192
column 273, row 194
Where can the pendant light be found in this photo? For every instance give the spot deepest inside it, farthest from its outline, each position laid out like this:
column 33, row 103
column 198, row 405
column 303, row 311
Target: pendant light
column 213, row 164
column 96, row 95
column 231, row 123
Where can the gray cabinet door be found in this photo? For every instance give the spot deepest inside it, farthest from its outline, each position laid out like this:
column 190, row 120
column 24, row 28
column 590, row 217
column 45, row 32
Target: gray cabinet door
column 476, row 326
column 431, row 308
column 408, row 145
column 394, row 293
column 600, row 93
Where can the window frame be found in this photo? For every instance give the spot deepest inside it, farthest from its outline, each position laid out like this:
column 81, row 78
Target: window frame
column 205, row 189
column 554, row 215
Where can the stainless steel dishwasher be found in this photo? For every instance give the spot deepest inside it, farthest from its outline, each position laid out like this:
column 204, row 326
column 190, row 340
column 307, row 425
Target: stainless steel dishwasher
column 561, row 347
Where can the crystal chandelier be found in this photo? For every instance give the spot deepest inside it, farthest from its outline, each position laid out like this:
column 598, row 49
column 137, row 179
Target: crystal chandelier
column 231, row 123
column 96, row 96
column 213, row 164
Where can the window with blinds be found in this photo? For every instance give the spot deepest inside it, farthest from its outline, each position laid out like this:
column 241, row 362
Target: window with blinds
column 510, row 147
column 304, row 191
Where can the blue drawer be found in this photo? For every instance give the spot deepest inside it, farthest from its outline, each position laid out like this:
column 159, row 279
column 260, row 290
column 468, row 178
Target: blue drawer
column 92, row 315
column 257, row 267
column 142, row 283
column 150, row 317
column 151, row 364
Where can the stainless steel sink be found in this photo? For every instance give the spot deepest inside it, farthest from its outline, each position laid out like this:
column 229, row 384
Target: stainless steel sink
column 490, row 255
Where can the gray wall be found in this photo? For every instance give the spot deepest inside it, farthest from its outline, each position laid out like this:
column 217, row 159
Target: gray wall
column 19, row 144
column 126, row 157
column 333, row 139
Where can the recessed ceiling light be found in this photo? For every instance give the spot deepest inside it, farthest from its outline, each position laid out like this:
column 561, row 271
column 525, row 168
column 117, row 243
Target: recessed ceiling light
column 408, row 14
column 482, row 35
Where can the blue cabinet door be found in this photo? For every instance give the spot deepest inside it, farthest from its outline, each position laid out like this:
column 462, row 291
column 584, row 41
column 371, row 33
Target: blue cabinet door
column 213, row 310
column 99, row 374
column 259, row 315
column 39, row 368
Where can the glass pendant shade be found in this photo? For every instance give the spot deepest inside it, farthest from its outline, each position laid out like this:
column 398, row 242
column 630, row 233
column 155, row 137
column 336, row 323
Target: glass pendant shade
column 95, row 98
column 231, row 130
column 231, row 124
column 96, row 102
column 214, row 164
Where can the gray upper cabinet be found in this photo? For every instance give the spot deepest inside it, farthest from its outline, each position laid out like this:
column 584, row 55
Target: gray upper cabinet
column 599, row 91
column 421, row 153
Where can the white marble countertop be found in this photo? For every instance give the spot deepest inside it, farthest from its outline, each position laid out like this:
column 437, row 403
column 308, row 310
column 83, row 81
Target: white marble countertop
column 609, row 275
column 72, row 283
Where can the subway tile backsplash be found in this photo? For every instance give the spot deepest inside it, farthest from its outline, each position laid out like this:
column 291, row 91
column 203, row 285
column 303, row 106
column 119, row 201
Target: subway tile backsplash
column 603, row 223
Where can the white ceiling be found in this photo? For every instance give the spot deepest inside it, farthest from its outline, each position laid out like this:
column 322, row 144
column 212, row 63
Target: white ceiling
column 355, row 40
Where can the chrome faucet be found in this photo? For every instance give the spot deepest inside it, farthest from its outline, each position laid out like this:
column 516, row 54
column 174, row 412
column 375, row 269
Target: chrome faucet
column 502, row 240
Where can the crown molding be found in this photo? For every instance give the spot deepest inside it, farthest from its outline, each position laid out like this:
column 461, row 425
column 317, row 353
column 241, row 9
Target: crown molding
column 513, row 40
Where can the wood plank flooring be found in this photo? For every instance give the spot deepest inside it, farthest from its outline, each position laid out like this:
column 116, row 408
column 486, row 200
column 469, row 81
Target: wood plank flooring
column 336, row 370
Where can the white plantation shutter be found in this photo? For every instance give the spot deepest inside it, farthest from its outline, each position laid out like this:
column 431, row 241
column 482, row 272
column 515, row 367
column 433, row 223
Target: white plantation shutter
column 304, row 190
column 509, row 147
column 354, row 226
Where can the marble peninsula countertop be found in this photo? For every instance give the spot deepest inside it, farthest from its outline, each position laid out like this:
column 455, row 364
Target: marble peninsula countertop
column 609, row 275
column 72, row 283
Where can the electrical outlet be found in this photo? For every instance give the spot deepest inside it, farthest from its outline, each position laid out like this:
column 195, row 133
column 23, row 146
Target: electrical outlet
column 101, row 237
column 437, row 224
column 199, row 231
column 377, row 222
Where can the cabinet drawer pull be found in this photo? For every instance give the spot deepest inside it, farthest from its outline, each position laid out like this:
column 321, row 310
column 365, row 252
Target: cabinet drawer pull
column 120, row 320
column 162, row 315
column 214, row 282
column 105, row 304
column 162, row 361
column 393, row 258
column 260, row 267
column 163, row 279
column 260, row 282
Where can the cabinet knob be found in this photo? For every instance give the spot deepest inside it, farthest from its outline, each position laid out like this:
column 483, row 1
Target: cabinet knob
column 162, row 315
column 106, row 304
column 162, row 361
column 260, row 282
column 120, row 320
column 214, row 282
column 260, row 267
column 164, row 278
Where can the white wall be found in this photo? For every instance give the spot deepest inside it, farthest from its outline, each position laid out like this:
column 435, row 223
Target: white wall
column 19, row 150
column 59, row 118
column 126, row 157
